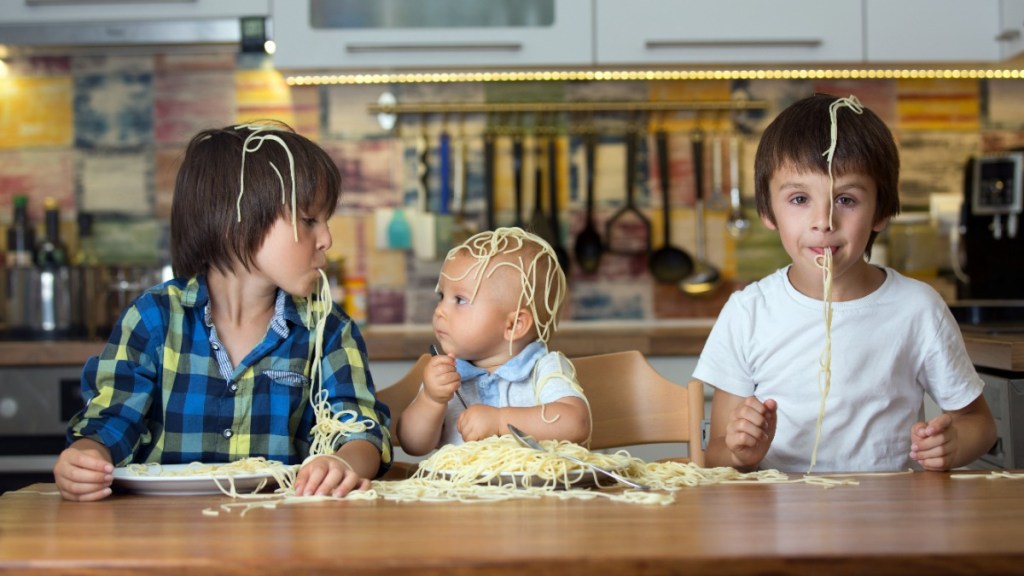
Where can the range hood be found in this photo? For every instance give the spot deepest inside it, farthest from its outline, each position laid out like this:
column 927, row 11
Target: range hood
column 122, row 33
column 34, row 26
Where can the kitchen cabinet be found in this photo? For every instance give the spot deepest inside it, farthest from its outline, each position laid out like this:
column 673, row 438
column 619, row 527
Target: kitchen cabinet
column 727, row 32
column 1011, row 28
column 932, row 30
column 431, row 34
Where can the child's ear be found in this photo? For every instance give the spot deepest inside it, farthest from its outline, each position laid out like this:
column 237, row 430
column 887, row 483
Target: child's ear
column 518, row 324
column 881, row 224
column 768, row 222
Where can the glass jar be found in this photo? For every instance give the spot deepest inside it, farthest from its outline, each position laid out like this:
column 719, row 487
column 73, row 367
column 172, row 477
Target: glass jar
column 912, row 245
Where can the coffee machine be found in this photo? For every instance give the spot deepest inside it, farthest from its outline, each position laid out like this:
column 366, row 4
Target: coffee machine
column 992, row 241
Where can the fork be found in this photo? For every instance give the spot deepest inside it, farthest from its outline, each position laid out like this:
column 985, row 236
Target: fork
column 433, row 352
column 531, row 442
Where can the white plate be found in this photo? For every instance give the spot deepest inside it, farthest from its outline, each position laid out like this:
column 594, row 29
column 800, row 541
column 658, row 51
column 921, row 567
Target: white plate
column 192, row 485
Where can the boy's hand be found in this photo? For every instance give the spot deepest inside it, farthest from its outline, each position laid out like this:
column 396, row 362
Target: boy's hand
column 84, row 471
column 933, row 444
column 441, row 379
column 479, row 421
column 750, row 431
column 328, row 475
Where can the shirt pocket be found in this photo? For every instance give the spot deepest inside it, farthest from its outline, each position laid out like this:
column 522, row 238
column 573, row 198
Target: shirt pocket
column 286, row 392
column 286, row 378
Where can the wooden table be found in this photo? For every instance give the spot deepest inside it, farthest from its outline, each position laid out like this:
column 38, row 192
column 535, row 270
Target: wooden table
column 923, row 523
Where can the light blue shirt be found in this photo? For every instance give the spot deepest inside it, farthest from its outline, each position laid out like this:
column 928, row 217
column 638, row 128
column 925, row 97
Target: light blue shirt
column 533, row 377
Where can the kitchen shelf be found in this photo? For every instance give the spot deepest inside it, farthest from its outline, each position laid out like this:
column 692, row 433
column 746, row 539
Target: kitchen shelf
column 548, row 107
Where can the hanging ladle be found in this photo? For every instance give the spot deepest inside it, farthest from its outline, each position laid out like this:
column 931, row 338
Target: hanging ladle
column 668, row 264
column 588, row 246
column 705, row 277
column 628, row 231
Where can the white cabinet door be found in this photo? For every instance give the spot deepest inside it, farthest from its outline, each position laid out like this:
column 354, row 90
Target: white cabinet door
column 728, row 31
column 555, row 33
column 42, row 11
column 1011, row 29
column 932, row 30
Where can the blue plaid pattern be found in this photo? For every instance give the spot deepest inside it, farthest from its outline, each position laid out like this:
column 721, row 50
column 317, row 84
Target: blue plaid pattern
column 163, row 389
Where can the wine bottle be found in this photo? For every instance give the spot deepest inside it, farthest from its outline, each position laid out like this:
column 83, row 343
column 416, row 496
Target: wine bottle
column 21, row 236
column 51, row 251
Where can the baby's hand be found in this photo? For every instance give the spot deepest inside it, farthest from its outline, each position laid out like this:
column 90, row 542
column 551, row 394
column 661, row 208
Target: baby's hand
column 933, row 444
column 328, row 475
column 83, row 472
column 479, row 421
column 750, row 431
column 440, row 379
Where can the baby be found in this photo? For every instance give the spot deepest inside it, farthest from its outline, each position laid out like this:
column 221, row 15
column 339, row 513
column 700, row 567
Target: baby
column 500, row 295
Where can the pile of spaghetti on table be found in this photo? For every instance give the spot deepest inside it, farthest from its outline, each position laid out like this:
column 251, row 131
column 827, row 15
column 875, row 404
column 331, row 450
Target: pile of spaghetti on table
column 498, row 468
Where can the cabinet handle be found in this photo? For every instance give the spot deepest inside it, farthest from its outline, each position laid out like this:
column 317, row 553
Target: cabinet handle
column 755, row 43
column 1008, row 35
column 430, row 46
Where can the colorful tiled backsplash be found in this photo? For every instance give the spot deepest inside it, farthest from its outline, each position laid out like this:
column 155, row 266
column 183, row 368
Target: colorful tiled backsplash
column 104, row 135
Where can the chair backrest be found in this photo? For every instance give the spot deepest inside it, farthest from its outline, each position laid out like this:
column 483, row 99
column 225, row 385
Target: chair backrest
column 400, row 394
column 632, row 403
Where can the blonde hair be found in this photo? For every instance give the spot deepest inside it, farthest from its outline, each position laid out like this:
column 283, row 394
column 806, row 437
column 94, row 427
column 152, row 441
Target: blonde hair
column 542, row 281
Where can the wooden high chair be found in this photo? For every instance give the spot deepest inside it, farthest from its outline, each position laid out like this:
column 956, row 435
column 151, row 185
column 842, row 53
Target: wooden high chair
column 632, row 403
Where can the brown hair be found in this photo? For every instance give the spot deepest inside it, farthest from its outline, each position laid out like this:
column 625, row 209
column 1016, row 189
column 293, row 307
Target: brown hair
column 802, row 132
column 205, row 226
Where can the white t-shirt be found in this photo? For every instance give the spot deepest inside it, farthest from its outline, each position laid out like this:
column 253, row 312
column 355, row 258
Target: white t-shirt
column 888, row 349
column 533, row 377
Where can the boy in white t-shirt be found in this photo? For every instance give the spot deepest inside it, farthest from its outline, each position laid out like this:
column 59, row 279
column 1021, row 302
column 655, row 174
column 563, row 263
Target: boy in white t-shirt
column 826, row 177
column 500, row 295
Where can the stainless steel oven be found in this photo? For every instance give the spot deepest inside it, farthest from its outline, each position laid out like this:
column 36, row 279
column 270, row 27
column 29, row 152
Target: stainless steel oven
column 35, row 406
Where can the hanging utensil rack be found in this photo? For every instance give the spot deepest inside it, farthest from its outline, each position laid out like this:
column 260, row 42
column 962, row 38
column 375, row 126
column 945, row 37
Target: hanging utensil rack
column 549, row 107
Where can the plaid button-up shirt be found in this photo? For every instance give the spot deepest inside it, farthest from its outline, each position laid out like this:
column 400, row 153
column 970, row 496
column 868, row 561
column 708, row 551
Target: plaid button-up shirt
column 164, row 389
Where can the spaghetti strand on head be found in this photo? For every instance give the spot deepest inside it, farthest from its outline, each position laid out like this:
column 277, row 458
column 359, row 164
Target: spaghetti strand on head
column 854, row 105
column 540, row 276
column 253, row 142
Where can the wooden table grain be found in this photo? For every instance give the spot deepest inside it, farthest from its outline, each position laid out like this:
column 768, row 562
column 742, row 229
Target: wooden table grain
column 922, row 523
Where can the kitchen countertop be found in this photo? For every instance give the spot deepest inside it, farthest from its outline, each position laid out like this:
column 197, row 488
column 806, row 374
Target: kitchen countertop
column 683, row 337
column 911, row 523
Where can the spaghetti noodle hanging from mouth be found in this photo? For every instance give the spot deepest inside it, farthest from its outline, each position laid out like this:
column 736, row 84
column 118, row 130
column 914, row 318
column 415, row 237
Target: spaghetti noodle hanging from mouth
column 825, row 263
